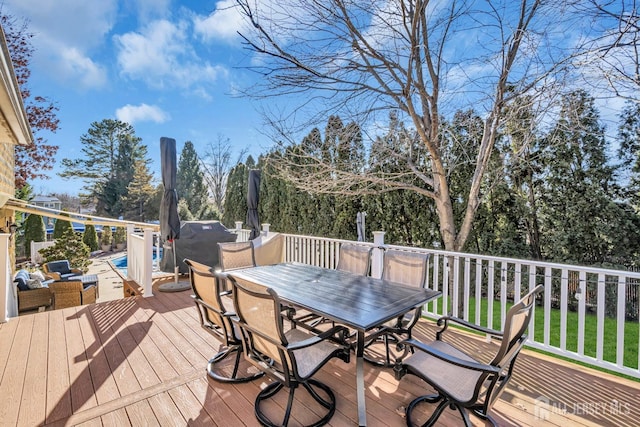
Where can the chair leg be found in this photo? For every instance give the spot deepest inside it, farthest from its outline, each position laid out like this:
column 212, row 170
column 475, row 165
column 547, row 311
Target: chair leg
column 310, row 385
column 233, row 378
column 431, row 398
column 384, row 339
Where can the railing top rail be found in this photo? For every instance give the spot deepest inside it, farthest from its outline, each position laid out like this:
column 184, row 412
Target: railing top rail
column 554, row 265
column 328, row 239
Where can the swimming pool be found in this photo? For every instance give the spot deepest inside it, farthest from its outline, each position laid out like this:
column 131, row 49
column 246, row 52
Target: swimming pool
column 120, row 263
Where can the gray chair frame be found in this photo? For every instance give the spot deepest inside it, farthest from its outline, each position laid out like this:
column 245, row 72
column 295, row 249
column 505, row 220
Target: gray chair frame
column 284, row 356
column 451, row 372
column 215, row 318
column 397, row 266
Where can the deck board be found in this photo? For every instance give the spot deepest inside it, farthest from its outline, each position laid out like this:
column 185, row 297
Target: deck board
column 141, row 361
column 12, row 385
column 33, row 402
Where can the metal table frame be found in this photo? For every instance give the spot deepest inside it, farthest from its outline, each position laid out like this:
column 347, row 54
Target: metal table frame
column 359, row 302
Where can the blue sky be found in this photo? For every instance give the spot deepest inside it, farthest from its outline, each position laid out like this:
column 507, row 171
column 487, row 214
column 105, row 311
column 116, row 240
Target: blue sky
column 170, row 68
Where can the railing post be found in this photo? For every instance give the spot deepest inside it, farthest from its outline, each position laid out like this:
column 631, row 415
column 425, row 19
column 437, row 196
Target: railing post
column 376, row 257
column 148, row 263
column 238, row 225
column 5, row 275
column 130, row 231
column 265, row 229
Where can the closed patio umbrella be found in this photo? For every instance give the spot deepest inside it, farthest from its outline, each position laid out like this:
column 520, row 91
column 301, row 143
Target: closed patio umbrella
column 253, row 197
column 169, row 219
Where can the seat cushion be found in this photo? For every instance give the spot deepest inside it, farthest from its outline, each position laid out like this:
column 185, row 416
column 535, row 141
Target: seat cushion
column 456, row 381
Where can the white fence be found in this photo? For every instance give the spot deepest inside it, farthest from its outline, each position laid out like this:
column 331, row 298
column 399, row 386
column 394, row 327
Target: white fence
column 36, row 258
column 585, row 314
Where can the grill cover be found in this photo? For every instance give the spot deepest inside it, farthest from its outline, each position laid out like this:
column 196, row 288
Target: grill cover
column 198, row 242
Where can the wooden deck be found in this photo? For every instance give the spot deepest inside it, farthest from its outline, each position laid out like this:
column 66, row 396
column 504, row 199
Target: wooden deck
column 141, row 361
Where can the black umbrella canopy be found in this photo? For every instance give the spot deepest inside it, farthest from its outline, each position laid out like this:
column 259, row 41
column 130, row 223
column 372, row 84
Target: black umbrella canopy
column 169, row 219
column 253, row 197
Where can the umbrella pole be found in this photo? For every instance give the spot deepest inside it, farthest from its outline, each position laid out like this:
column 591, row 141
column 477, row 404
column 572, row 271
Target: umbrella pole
column 175, row 264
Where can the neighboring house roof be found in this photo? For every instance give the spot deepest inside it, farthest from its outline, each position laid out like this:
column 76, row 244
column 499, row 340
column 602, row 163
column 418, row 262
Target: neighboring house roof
column 45, row 199
column 14, row 125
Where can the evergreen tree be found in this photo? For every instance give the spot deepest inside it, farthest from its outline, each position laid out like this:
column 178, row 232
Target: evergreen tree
column 190, row 184
column 90, row 237
column 629, row 151
column 34, row 231
column 106, row 238
column 68, row 246
column 579, row 215
column 61, row 226
column 138, row 194
column 110, row 152
column 235, row 201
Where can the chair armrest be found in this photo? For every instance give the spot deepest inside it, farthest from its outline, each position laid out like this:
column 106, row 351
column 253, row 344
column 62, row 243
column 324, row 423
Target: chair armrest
column 77, row 271
column 89, row 294
column 210, row 307
column 317, row 338
column 53, row 275
column 450, row 319
column 413, row 343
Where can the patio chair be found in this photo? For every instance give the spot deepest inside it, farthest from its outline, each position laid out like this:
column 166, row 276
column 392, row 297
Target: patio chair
column 290, row 358
column 72, row 293
column 60, row 270
column 215, row 309
column 235, row 255
column 409, row 269
column 460, row 381
column 354, row 259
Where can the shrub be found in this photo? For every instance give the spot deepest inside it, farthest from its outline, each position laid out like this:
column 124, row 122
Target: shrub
column 69, row 246
column 60, row 227
column 90, row 237
column 107, row 236
column 120, row 235
column 34, row 231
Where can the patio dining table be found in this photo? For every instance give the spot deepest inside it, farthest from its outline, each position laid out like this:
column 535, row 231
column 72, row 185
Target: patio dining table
column 359, row 302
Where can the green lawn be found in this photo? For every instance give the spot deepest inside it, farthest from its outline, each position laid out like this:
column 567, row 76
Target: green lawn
column 631, row 331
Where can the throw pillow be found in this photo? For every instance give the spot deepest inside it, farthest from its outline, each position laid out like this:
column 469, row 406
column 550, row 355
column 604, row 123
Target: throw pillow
column 22, row 284
column 37, row 275
column 34, row 283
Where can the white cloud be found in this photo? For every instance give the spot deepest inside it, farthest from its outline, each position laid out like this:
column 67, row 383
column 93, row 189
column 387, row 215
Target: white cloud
column 223, row 23
column 65, row 33
column 161, row 56
column 141, row 113
column 88, row 73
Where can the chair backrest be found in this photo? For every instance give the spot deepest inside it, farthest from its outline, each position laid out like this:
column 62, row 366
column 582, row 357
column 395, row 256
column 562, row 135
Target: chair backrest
column 61, row 266
column 206, row 289
column 354, row 259
column 407, row 268
column 258, row 310
column 234, row 255
column 515, row 325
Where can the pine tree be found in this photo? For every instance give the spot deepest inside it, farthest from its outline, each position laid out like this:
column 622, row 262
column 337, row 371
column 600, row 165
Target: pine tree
column 68, row 246
column 110, row 152
column 138, row 194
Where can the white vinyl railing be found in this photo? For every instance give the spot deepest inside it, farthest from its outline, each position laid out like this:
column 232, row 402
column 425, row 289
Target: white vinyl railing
column 140, row 258
column 585, row 314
